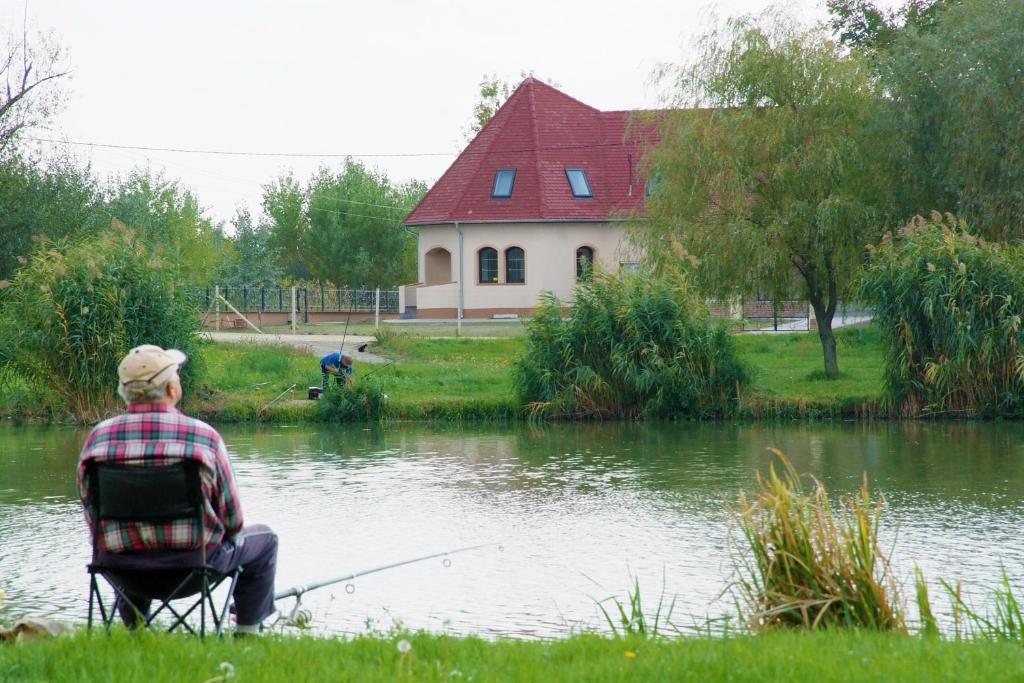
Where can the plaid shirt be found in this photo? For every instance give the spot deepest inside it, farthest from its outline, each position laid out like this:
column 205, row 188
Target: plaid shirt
column 158, row 434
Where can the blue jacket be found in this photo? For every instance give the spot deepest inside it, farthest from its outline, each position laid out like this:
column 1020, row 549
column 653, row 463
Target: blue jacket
column 335, row 359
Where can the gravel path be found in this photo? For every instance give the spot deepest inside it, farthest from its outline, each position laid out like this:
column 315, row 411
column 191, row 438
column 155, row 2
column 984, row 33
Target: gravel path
column 317, row 344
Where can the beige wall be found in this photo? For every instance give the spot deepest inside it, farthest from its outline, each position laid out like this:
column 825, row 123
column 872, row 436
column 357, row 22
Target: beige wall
column 550, row 250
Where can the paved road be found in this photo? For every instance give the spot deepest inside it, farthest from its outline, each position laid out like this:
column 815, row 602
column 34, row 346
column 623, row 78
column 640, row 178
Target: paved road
column 316, row 344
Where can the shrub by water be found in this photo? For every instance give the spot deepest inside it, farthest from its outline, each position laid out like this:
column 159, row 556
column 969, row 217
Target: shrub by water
column 77, row 307
column 630, row 346
column 810, row 565
column 950, row 307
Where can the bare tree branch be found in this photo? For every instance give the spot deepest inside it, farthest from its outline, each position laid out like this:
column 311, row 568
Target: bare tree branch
column 29, row 68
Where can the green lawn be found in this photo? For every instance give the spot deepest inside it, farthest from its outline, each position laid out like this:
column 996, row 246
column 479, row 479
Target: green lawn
column 814, row 657
column 788, row 369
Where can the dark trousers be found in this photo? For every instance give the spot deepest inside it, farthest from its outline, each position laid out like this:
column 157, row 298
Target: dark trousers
column 339, row 377
column 255, row 550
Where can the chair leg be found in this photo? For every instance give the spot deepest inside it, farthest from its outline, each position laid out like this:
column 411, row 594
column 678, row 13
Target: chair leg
column 202, row 604
column 227, row 601
column 92, row 596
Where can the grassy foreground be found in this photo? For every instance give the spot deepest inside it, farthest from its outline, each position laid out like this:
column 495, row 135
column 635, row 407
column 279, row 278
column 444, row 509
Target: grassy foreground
column 820, row 656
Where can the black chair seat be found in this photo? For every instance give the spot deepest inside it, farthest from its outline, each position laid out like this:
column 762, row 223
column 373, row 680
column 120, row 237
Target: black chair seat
column 159, row 584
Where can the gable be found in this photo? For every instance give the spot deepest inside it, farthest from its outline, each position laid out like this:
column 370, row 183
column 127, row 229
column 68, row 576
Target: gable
column 540, row 132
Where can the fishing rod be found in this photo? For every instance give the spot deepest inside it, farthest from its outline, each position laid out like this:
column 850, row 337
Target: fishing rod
column 345, row 334
column 389, row 363
column 298, row 591
column 278, row 397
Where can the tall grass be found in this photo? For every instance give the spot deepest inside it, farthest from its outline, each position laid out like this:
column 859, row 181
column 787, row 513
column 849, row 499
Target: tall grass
column 631, row 346
column 950, row 307
column 1002, row 619
column 812, row 565
column 628, row 619
column 77, row 307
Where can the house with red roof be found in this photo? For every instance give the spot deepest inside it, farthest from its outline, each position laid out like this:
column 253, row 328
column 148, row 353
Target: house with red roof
column 539, row 197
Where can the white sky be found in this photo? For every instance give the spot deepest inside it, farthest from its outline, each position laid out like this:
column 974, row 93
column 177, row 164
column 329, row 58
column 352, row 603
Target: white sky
column 336, row 77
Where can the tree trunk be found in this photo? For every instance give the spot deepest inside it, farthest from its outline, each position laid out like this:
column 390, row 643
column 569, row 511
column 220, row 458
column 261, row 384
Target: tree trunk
column 823, row 314
column 824, row 304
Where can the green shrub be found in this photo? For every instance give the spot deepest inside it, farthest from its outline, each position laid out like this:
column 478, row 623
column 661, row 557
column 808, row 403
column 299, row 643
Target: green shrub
column 363, row 401
column 631, row 346
column 950, row 307
column 811, row 565
column 77, row 307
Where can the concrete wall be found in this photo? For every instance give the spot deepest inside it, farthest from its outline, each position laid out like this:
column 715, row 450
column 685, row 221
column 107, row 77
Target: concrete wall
column 550, row 252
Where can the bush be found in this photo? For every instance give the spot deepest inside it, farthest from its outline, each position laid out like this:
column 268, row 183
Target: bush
column 813, row 566
column 631, row 346
column 77, row 307
column 361, row 402
column 950, row 307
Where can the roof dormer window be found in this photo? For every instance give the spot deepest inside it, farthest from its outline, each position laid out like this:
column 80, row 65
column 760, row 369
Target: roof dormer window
column 578, row 183
column 504, row 179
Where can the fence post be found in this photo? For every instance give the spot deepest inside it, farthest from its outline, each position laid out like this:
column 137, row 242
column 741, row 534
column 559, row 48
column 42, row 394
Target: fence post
column 376, row 311
column 216, row 302
column 305, row 305
column 293, row 308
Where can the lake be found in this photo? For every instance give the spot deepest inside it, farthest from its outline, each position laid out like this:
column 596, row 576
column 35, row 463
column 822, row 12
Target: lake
column 576, row 513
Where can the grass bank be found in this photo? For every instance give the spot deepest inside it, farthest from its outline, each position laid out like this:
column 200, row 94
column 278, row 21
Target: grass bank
column 431, row 379
column 788, row 375
column 822, row 656
column 468, row 379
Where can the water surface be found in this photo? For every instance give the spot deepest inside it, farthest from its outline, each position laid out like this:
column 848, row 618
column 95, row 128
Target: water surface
column 577, row 510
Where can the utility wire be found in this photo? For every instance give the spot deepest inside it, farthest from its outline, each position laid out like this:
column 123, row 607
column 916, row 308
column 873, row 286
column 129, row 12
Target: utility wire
column 223, row 152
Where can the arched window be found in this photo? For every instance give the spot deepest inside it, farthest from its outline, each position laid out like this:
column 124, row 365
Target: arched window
column 515, row 265
column 488, row 265
column 584, row 264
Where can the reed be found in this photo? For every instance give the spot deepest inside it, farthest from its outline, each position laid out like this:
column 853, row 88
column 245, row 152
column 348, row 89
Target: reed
column 1002, row 619
column 77, row 307
column 811, row 565
column 630, row 347
column 627, row 618
column 950, row 309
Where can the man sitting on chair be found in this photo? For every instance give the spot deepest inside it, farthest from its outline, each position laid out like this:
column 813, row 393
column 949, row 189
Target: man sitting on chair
column 153, row 432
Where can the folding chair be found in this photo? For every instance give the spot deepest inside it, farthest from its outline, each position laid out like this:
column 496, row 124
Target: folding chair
column 155, row 494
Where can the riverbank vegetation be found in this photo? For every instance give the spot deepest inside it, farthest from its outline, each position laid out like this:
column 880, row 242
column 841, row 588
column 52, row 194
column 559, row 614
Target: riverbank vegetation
column 453, row 379
column 630, row 346
column 811, row 564
column 77, row 307
column 950, row 309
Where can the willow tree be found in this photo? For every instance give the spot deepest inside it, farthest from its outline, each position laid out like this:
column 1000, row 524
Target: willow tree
column 770, row 174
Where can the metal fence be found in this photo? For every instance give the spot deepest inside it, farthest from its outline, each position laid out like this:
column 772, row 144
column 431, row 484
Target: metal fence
column 763, row 316
column 781, row 316
column 307, row 299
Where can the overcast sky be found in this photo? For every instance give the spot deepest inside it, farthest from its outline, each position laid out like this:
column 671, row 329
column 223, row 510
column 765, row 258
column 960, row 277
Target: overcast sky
column 380, row 77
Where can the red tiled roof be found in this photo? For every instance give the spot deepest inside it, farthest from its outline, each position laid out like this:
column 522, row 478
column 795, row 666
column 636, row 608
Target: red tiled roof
column 540, row 131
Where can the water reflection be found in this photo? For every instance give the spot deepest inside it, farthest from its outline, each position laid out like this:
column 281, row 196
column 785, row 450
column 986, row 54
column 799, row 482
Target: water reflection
column 576, row 507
